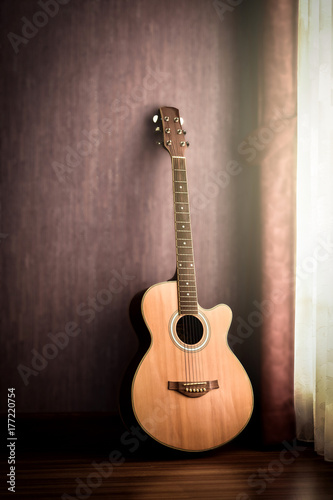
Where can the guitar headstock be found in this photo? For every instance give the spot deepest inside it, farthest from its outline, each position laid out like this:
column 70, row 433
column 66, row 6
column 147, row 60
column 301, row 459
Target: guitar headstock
column 170, row 125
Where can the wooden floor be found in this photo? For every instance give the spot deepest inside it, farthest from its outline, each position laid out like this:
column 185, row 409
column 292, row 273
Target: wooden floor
column 290, row 472
column 236, row 474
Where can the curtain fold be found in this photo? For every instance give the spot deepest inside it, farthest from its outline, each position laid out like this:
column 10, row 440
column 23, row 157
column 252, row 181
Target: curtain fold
column 277, row 112
column 314, row 276
column 269, row 68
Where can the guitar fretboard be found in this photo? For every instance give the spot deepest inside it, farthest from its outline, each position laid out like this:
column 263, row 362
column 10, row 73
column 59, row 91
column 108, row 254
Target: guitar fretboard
column 187, row 288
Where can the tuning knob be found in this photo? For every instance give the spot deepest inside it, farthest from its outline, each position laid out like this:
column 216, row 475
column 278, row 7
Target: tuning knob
column 158, row 129
column 155, row 118
column 187, row 143
column 181, row 121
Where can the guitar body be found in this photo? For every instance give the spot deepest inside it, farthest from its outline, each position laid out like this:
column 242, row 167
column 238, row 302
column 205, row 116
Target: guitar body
column 198, row 419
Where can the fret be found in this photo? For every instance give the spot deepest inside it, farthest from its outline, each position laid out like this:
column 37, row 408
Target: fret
column 186, row 219
column 182, row 201
column 182, row 236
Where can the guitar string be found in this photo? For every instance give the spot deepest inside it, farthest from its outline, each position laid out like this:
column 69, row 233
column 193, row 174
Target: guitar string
column 192, row 325
column 192, row 329
column 189, row 317
column 192, row 344
column 194, row 333
column 177, row 176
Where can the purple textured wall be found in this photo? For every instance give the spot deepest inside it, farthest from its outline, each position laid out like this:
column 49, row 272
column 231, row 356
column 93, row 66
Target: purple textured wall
column 86, row 217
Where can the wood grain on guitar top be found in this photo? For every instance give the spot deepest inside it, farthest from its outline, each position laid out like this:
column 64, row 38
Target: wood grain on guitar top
column 186, row 423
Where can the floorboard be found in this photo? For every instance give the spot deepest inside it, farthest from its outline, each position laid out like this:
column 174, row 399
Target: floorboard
column 292, row 471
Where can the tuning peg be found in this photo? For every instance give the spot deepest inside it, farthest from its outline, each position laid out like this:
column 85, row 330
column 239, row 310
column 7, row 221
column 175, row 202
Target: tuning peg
column 155, row 118
column 158, row 129
column 181, row 121
column 187, row 143
column 184, row 132
column 159, row 143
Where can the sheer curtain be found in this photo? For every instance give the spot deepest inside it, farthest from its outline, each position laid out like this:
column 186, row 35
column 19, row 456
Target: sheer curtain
column 314, row 270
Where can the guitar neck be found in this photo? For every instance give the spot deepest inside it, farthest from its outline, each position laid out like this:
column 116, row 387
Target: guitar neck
column 187, row 288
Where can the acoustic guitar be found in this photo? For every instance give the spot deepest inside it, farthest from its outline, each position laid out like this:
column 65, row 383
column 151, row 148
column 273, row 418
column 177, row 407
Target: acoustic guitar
column 189, row 391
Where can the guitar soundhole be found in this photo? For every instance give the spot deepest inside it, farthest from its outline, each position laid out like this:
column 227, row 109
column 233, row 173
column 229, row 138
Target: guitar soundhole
column 189, row 329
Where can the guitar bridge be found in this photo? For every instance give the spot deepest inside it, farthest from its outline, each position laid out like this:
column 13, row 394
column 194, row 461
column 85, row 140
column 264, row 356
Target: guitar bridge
column 193, row 389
